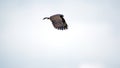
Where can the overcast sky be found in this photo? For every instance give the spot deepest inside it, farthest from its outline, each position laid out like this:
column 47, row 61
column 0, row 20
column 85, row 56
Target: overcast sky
column 92, row 39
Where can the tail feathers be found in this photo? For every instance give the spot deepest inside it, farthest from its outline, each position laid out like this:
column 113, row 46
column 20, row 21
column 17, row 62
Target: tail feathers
column 46, row 18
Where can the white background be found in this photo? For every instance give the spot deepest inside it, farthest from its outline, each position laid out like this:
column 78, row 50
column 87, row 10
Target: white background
column 91, row 41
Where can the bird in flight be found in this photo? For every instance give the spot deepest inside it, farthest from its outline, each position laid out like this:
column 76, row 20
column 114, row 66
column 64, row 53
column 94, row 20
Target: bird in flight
column 58, row 21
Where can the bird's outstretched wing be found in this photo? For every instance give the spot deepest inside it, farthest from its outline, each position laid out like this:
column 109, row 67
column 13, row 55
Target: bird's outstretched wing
column 58, row 22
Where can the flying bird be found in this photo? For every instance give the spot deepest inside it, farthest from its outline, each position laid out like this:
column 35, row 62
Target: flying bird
column 58, row 21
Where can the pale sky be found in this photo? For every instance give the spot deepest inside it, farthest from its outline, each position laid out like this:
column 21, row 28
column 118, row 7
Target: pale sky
column 92, row 39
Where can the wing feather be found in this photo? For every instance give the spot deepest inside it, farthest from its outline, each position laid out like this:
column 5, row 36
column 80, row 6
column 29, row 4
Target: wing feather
column 58, row 22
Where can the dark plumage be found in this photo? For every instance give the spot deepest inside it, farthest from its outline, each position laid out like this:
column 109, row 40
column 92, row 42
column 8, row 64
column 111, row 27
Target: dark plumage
column 58, row 21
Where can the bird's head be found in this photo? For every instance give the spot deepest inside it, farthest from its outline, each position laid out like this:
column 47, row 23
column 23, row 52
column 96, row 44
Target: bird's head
column 46, row 18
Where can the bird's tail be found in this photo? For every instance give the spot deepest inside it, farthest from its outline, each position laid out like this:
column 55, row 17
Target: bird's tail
column 46, row 18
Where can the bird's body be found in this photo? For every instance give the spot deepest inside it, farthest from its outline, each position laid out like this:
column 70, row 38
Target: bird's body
column 58, row 21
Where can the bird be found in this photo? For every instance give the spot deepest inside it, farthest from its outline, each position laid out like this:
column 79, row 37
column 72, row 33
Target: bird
column 58, row 21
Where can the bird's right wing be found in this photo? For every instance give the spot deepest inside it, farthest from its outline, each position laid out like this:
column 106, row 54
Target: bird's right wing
column 57, row 22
